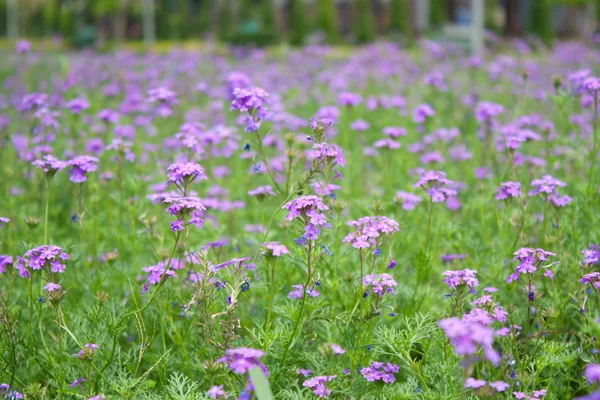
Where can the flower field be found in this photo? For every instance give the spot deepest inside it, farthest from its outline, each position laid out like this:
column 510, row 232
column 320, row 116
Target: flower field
column 379, row 223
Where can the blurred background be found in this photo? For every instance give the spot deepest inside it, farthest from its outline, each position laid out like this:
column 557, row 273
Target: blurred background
column 108, row 23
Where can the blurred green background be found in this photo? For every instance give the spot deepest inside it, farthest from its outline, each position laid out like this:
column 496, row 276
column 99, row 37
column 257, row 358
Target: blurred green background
column 299, row 22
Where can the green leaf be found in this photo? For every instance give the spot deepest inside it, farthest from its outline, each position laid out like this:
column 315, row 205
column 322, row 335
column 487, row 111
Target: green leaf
column 261, row 385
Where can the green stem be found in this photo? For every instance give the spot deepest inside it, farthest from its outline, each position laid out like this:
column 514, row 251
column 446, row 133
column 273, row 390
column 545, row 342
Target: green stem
column 428, row 226
column 271, row 265
column 46, row 214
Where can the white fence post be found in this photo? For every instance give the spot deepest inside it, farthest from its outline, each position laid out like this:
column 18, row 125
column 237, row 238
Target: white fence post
column 149, row 22
column 12, row 19
column 477, row 27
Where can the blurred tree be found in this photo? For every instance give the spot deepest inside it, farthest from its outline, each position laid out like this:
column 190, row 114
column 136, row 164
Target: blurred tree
column 225, row 20
column 540, row 20
column 438, row 13
column 512, row 26
column 327, row 20
column 269, row 21
column 364, row 21
column 50, row 13
column 399, row 13
column 296, row 22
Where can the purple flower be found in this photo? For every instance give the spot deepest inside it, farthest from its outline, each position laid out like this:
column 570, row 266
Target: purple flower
column 304, row 372
column 215, row 392
column 77, row 105
column 52, row 287
column 547, row 185
column 591, row 256
column 422, row 112
column 328, row 154
column 80, row 166
column 474, row 383
column 387, row 143
column 77, row 382
column 379, row 371
column 318, row 385
column 185, row 173
column 262, row 192
column 457, row 278
column 394, row 131
column 88, row 351
column 434, row 182
column 22, row 46
column 337, row 349
column 348, row 99
column 108, row 116
column 591, row 372
column 309, row 210
column 165, row 98
column 241, row 359
column 50, row 165
column 51, row 257
column 467, row 337
column 486, row 111
column 529, row 261
column 249, row 100
column 408, row 200
column 4, row 221
column 499, row 386
column 369, row 231
column 5, row 261
column 298, row 292
column 508, row 189
column 274, row 249
column 380, row 284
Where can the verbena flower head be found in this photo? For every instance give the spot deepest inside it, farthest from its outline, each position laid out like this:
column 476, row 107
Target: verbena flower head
column 535, row 395
column 380, row 284
column 50, row 165
column 242, row 359
column 185, row 173
column 5, row 261
column 348, row 99
column 487, row 111
column 591, row 256
column 77, row 105
column 472, row 383
column 592, row 278
column 216, row 392
column 465, row 277
column 262, row 192
column 298, row 292
column 51, row 257
column 328, row 154
column 80, row 166
column 309, row 209
column 164, row 98
column 337, row 349
column 467, row 338
column 274, row 249
column 249, row 100
column 508, row 190
column 379, row 371
column 88, row 351
column 434, row 182
column 155, row 274
column 370, row 231
column 529, row 261
column 499, row 386
column 318, row 385
column 188, row 210
column 408, row 200
column 591, row 372
column 4, row 221
column 547, row 185
column 8, row 394
column 422, row 112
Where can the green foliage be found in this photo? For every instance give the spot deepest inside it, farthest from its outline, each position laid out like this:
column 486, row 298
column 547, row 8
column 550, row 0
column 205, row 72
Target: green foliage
column 399, row 12
column 438, row 13
column 269, row 22
column 297, row 23
column 364, row 22
column 225, row 20
column 327, row 21
column 540, row 21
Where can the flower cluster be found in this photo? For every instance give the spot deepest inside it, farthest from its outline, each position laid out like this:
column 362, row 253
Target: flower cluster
column 318, row 385
column 591, row 255
column 51, row 257
column 380, row 284
column 468, row 337
column 369, row 231
column 262, row 192
column 434, row 183
column 379, row 371
column 548, row 187
column 80, row 166
column 408, row 200
column 164, row 98
column 242, row 359
column 274, row 249
column 8, row 394
column 310, row 210
column 50, row 165
column 298, row 292
column 253, row 101
column 529, row 262
column 535, row 395
column 182, row 174
column 498, row 386
column 328, row 154
column 88, row 351
column 188, row 210
column 508, row 190
column 465, row 277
